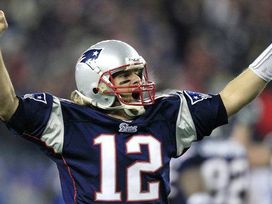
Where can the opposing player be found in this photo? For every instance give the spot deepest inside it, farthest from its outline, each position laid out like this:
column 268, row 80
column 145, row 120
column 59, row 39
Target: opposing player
column 113, row 143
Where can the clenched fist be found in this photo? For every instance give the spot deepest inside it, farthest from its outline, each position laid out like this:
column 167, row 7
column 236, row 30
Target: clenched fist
column 3, row 22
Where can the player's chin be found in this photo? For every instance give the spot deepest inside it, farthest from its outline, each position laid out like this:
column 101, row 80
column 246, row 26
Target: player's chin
column 127, row 98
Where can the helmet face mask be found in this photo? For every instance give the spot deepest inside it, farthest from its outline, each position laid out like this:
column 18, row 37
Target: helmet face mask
column 100, row 64
column 142, row 93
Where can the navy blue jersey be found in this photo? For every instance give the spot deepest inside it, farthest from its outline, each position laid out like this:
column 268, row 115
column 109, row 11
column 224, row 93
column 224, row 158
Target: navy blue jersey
column 106, row 160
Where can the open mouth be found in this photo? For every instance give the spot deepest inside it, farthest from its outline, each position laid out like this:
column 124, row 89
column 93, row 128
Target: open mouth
column 140, row 95
column 135, row 95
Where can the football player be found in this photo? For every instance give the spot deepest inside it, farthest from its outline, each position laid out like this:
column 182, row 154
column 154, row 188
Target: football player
column 216, row 172
column 113, row 142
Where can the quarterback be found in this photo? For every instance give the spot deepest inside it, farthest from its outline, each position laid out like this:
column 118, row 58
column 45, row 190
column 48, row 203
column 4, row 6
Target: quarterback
column 113, row 141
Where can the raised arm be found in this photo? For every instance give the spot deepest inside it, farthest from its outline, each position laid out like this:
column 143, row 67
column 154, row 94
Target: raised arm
column 245, row 87
column 8, row 99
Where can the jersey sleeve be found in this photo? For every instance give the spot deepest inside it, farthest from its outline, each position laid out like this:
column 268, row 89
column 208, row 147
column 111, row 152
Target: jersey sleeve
column 207, row 111
column 39, row 118
column 199, row 114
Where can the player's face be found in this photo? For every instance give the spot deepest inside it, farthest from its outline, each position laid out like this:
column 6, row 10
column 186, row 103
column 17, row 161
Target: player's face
column 125, row 79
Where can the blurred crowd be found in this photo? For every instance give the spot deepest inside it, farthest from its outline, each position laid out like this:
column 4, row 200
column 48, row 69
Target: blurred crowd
column 189, row 44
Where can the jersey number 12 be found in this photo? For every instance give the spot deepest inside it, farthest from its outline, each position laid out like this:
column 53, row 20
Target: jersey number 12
column 108, row 191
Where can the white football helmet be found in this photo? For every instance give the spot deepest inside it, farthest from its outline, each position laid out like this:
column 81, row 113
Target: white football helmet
column 94, row 74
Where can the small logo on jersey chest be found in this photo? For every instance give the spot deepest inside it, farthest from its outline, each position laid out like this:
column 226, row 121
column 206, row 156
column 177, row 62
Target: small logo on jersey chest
column 124, row 127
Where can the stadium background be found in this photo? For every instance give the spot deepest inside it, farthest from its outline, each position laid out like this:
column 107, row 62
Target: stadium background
column 188, row 44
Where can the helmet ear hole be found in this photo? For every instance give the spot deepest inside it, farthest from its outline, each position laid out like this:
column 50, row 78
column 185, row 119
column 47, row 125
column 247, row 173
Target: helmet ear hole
column 95, row 90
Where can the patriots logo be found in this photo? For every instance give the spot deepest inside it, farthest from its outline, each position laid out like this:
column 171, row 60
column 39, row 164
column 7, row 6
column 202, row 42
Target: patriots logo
column 124, row 127
column 92, row 54
column 196, row 97
column 40, row 97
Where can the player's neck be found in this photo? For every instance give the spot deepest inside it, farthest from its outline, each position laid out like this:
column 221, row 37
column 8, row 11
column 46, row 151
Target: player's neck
column 120, row 114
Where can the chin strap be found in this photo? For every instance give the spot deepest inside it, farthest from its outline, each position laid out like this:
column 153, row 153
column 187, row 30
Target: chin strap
column 131, row 111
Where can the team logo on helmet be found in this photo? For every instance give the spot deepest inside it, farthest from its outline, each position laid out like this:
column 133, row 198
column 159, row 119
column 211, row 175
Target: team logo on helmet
column 91, row 54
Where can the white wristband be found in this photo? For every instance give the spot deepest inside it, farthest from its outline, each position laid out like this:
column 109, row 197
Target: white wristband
column 262, row 66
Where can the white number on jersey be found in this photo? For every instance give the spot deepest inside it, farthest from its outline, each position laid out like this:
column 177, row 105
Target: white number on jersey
column 108, row 190
column 227, row 179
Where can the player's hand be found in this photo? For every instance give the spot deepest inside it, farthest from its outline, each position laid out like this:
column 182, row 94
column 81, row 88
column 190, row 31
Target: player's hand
column 3, row 22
